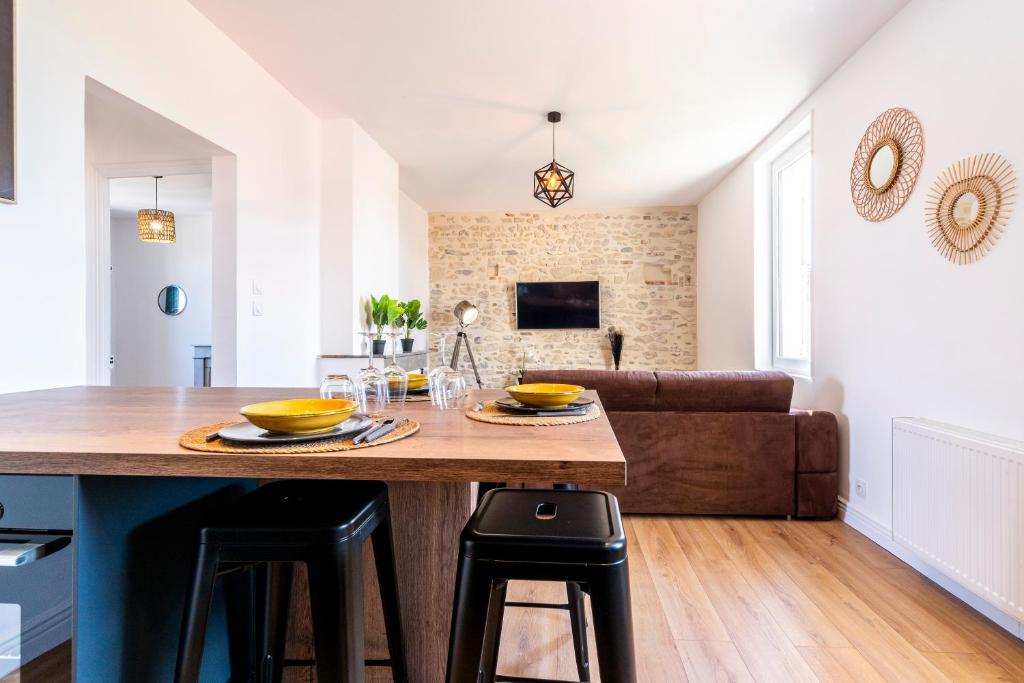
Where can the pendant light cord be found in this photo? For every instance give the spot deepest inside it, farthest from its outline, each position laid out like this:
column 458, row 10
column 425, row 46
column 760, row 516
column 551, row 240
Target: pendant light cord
column 156, row 193
column 552, row 141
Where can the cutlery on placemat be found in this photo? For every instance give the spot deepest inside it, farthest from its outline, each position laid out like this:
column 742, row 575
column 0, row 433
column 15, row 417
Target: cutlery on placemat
column 385, row 429
column 358, row 438
column 562, row 413
column 371, row 434
column 212, row 436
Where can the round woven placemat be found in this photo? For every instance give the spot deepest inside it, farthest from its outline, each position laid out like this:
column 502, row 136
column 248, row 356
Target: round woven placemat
column 495, row 415
column 195, row 440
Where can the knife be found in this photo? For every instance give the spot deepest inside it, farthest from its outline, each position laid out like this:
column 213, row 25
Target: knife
column 367, row 435
column 385, row 429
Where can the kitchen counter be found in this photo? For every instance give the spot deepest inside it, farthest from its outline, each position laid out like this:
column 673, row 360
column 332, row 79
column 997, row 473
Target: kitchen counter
column 140, row 497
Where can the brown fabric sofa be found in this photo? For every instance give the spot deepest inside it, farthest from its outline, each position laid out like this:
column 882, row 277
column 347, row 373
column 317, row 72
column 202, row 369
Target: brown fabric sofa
column 715, row 442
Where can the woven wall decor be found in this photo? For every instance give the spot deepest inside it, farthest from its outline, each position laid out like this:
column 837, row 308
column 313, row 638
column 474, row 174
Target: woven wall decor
column 969, row 205
column 886, row 164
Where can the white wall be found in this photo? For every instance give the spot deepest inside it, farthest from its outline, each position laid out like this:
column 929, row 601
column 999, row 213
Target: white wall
column 207, row 84
column 359, row 240
column 414, row 270
column 149, row 347
column 897, row 329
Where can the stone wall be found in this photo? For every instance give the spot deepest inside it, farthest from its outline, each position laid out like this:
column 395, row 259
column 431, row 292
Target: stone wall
column 644, row 258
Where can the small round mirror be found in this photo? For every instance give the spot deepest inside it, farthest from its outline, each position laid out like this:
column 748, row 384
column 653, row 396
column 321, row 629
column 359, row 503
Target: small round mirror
column 172, row 300
column 882, row 166
column 966, row 208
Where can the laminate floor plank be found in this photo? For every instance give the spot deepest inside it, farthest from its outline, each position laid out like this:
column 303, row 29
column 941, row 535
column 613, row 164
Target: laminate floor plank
column 803, row 621
column 686, row 605
column 924, row 630
column 886, row 650
column 840, row 665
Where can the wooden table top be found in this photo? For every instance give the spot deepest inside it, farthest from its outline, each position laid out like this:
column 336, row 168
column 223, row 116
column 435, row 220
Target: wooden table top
column 134, row 431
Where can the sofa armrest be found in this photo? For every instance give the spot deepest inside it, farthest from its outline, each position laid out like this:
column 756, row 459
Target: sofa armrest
column 817, row 463
column 817, row 441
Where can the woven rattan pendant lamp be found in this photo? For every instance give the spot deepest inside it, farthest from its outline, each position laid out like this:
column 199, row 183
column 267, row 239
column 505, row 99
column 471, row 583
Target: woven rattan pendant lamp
column 553, row 183
column 156, row 225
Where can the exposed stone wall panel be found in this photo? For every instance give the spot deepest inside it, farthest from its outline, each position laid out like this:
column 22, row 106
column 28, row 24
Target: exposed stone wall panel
column 645, row 260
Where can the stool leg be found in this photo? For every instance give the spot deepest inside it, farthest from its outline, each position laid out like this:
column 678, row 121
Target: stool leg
column 492, row 633
column 278, row 606
column 613, row 623
column 469, row 617
column 384, row 558
column 336, row 597
column 197, row 611
column 578, row 622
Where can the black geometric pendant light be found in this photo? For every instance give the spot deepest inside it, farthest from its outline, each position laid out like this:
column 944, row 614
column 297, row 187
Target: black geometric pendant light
column 553, row 183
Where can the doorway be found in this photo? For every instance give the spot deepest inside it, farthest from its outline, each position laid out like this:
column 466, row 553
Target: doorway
column 161, row 318
column 130, row 338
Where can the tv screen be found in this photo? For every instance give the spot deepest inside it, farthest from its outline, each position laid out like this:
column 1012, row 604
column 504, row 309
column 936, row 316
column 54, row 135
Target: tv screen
column 558, row 305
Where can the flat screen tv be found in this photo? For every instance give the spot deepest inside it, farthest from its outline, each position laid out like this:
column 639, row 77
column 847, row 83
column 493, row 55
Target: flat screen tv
column 558, row 305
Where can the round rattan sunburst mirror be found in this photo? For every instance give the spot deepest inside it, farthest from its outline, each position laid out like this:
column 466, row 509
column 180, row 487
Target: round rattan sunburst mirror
column 886, row 164
column 969, row 205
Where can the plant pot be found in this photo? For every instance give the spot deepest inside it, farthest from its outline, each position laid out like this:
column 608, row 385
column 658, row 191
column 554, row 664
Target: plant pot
column 379, row 346
column 407, row 345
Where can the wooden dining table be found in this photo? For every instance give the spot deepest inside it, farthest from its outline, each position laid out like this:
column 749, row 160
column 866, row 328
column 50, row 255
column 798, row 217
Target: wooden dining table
column 140, row 497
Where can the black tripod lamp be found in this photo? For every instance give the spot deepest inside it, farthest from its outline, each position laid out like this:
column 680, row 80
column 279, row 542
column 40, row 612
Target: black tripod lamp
column 465, row 313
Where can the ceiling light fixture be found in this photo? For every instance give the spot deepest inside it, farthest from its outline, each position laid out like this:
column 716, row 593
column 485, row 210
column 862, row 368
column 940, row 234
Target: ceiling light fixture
column 553, row 183
column 156, row 225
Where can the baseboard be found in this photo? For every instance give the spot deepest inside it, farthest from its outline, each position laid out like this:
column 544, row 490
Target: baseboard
column 882, row 535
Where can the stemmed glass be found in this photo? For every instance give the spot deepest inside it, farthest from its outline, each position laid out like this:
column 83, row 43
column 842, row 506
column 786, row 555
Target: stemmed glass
column 396, row 376
column 373, row 382
column 450, row 389
column 439, row 367
column 342, row 386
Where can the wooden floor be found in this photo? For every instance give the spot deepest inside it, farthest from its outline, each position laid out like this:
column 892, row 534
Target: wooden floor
column 762, row 600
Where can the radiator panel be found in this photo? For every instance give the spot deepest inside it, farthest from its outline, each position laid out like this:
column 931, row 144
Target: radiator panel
column 958, row 503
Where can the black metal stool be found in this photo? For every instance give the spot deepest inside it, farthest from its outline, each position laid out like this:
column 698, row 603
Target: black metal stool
column 573, row 604
column 574, row 537
column 324, row 525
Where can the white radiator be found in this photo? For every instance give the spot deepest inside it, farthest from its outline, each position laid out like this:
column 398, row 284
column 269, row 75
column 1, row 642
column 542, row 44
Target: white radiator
column 958, row 503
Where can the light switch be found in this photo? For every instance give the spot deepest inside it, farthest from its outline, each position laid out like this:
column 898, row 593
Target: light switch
column 257, row 308
column 257, row 287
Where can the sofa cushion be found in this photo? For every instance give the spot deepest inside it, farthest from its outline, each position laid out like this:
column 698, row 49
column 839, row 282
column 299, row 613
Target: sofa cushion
column 724, row 391
column 618, row 389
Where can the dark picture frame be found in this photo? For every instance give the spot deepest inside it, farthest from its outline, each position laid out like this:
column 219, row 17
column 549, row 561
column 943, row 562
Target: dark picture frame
column 8, row 144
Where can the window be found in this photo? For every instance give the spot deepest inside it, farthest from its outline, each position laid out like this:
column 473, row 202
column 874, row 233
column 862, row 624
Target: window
column 791, row 258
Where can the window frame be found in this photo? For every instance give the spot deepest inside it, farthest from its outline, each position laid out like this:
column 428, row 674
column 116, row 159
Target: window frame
column 786, row 157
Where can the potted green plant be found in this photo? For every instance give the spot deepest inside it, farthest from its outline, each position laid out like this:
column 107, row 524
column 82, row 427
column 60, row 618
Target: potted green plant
column 384, row 312
column 412, row 319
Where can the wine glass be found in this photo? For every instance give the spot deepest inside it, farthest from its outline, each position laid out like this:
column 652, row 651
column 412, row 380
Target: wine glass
column 441, row 364
column 373, row 383
column 342, row 386
column 395, row 374
column 450, row 389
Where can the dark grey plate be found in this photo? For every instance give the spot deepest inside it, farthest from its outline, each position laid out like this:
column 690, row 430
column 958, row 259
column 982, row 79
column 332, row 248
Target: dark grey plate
column 246, row 432
column 510, row 404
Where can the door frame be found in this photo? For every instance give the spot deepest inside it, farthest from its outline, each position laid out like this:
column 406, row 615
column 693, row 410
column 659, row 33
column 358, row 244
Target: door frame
column 98, row 342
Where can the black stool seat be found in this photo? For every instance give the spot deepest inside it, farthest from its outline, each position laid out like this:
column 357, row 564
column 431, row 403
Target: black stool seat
column 324, row 525
column 567, row 536
column 546, row 525
column 298, row 513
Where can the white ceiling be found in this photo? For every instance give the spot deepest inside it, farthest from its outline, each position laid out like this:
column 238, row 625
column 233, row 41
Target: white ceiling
column 659, row 97
column 187, row 195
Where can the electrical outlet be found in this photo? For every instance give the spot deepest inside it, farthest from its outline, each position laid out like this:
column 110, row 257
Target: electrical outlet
column 257, row 308
column 861, row 488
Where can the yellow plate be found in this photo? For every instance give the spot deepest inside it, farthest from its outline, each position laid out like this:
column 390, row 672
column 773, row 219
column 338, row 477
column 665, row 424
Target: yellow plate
column 545, row 395
column 299, row 415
